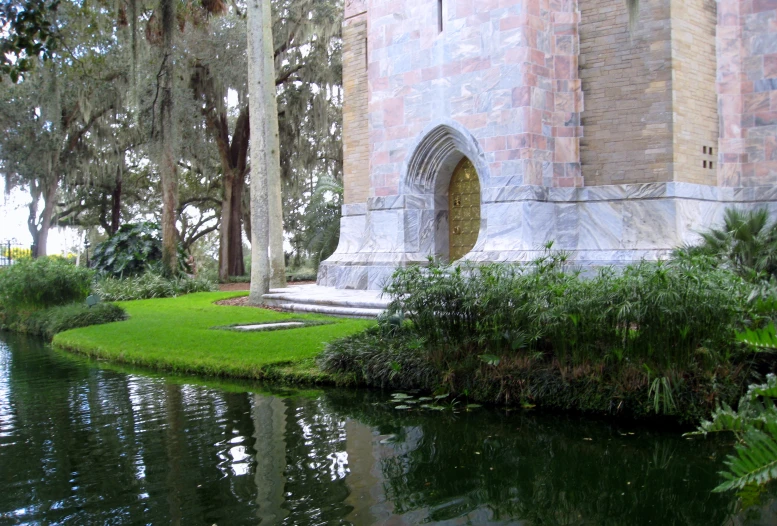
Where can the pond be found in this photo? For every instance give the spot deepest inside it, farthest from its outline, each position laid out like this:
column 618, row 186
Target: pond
column 86, row 443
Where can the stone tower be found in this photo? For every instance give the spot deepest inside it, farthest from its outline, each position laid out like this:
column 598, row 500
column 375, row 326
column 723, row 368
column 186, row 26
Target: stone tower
column 490, row 127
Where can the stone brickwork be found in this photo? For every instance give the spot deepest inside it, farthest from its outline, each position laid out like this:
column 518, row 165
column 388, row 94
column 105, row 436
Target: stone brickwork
column 650, row 100
column 356, row 143
column 504, row 69
column 695, row 104
column 747, row 84
column 627, row 82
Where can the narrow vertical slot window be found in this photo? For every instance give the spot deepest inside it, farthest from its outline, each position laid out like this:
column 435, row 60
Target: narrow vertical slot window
column 439, row 16
column 366, row 53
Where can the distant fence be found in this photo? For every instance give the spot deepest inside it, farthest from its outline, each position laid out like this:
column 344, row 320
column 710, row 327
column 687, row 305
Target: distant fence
column 12, row 251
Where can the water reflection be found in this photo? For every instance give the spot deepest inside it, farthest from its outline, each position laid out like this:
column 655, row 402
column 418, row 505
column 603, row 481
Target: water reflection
column 84, row 444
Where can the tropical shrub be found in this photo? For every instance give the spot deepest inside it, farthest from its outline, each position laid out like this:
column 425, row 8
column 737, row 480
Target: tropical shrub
column 662, row 315
column 322, row 219
column 754, row 424
column 43, row 282
column 49, row 322
column 149, row 285
column 649, row 339
column 380, row 358
column 746, row 243
column 133, row 250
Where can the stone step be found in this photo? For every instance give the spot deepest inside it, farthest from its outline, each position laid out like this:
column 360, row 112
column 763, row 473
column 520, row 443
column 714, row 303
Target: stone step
column 345, row 312
column 328, row 300
column 278, row 299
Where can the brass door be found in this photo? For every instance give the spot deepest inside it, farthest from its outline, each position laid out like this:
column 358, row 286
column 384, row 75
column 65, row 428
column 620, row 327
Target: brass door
column 463, row 209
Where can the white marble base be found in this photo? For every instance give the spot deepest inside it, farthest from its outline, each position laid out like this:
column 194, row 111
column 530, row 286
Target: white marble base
column 603, row 225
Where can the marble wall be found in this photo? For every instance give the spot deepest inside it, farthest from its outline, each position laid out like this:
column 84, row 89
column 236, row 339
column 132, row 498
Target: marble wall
column 500, row 85
column 604, row 225
column 747, row 88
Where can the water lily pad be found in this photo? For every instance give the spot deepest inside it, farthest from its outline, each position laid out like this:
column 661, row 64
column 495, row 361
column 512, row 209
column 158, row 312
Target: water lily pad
column 473, row 406
column 400, row 396
column 440, row 397
column 434, row 407
column 401, row 407
column 424, row 398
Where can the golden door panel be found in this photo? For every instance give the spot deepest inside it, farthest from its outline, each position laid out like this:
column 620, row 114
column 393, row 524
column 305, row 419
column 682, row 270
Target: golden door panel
column 463, row 209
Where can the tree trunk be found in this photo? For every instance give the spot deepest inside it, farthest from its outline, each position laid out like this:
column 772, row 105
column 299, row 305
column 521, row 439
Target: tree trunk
column 226, row 226
column 116, row 199
column 275, row 200
column 247, row 212
column 263, row 106
column 32, row 217
column 231, row 234
column 168, row 167
column 40, row 232
column 236, row 263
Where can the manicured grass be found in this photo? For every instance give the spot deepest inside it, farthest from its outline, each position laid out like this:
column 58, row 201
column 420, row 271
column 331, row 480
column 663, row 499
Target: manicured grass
column 177, row 334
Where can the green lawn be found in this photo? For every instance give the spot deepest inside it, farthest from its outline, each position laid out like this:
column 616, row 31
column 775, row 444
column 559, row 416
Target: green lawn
column 177, row 334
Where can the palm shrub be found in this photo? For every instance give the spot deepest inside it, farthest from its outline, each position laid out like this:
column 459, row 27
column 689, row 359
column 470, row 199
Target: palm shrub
column 44, row 282
column 133, row 250
column 322, row 219
column 747, row 243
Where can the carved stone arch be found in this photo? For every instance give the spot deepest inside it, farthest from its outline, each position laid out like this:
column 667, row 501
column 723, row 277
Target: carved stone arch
column 436, row 153
column 426, row 176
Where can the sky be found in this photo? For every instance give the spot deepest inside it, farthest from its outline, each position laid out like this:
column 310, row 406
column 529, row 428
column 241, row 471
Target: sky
column 13, row 224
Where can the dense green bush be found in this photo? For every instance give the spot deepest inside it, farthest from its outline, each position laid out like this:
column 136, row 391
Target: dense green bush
column 381, row 358
column 662, row 315
column 149, row 285
column 133, row 250
column 48, row 322
column 43, row 282
column 652, row 338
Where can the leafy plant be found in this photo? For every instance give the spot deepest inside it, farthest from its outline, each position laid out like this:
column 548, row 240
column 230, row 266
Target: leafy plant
column 322, row 219
column 149, row 285
column 52, row 321
column 43, row 282
column 372, row 359
column 747, row 243
column 680, row 313
column 754, row 424
column 133, row 250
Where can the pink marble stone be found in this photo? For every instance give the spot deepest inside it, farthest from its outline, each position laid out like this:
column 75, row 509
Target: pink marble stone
column 747, row 95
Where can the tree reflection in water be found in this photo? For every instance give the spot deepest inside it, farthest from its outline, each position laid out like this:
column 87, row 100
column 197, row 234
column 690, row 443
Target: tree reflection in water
column 87, row 444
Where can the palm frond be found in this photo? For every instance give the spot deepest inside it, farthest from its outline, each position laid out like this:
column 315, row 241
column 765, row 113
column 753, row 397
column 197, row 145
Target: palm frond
column 755, row 460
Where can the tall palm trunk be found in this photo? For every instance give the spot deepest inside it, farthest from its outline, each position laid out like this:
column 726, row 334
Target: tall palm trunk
column 266, row 221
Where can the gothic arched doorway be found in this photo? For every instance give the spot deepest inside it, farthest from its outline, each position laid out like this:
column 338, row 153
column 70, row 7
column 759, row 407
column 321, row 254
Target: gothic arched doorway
column 463, row 210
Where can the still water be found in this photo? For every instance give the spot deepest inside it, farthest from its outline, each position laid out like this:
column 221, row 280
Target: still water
column 84, row 444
